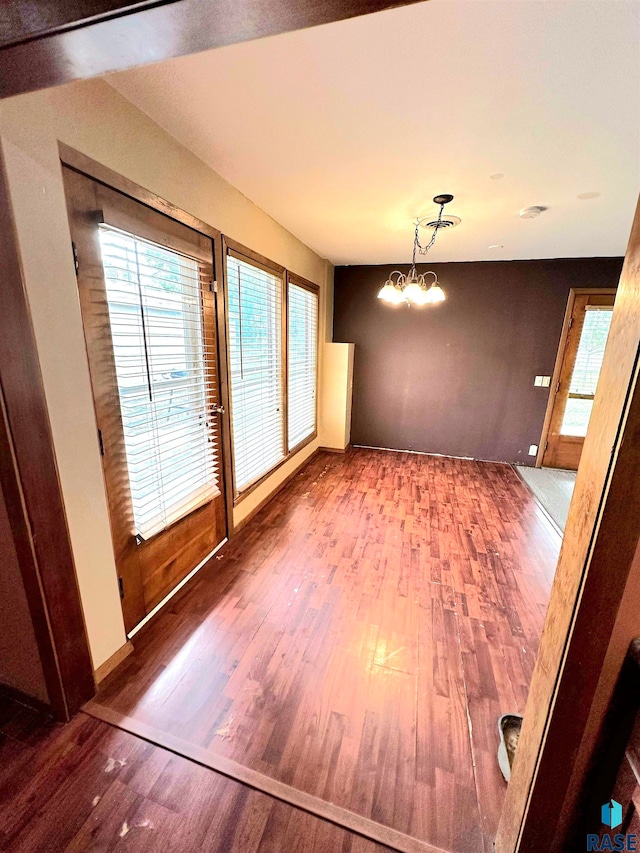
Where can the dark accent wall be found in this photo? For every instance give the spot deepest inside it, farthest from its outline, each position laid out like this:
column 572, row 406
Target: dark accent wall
column 457, row 378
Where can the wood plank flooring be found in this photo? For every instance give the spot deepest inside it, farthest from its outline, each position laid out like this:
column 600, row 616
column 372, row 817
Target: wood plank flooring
column 90, row 787
column 359, row 639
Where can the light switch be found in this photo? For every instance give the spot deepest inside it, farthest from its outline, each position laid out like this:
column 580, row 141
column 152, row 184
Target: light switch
column 533, row 450
column 542, row 381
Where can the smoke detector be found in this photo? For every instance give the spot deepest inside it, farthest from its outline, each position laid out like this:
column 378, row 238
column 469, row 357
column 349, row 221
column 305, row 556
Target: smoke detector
column 531, row 212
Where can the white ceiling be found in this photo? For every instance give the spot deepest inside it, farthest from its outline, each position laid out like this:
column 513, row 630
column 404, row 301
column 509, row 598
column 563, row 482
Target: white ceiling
column 343, row 133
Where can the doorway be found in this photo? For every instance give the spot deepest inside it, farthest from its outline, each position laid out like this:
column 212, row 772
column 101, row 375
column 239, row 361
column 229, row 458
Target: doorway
column 576, row 375
column 147, row 298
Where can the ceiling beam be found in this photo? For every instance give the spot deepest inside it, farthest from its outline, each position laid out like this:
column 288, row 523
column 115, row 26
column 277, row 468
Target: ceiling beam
column 50, row 43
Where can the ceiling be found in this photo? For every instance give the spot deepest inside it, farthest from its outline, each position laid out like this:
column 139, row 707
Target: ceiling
column 344, row 133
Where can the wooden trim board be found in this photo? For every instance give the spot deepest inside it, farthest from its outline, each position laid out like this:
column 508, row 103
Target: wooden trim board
column 113, row 662
column 542, row 444
column 337, row 815
column 49, row 43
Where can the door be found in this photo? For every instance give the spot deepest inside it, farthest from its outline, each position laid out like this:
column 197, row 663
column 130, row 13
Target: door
column 580, row 359
column 146, row 293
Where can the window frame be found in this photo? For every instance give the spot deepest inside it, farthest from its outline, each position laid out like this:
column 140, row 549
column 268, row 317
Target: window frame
column 243, row 253
column 298, row 281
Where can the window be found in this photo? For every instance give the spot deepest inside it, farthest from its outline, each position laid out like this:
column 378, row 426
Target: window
column 268, row 356
column 586, row 370
column 256, row 369
column 155, row 316
column 302, row 364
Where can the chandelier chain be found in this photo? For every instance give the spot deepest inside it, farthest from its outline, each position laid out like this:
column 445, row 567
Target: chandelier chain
column 425, row 249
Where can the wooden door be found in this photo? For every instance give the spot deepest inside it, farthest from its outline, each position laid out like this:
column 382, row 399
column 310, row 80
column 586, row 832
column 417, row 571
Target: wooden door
column 579, row 362
column 148, row 307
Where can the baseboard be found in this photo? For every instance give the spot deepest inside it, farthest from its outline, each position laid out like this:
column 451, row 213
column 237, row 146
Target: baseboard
column 114, row 661
column 238, row 527
column 13, row 694
column 334, row 449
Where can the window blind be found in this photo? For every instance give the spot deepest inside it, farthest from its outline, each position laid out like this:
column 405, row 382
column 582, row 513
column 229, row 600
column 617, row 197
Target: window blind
column 586, row 370
column 593, row 340
column 256, row 370
column 164, row 382
column 302, row 363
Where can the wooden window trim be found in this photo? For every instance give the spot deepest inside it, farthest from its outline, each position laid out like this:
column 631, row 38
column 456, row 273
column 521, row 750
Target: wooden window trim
column 292, row 278
column 242, row 253
column 302, row 282
column 237, row 250
column 113, row 180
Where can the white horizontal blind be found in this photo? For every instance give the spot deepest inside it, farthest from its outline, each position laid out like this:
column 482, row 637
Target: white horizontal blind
column 255, row 366
column 155, row 315
column 303, row 358
column 593, row 339
column 586, row 370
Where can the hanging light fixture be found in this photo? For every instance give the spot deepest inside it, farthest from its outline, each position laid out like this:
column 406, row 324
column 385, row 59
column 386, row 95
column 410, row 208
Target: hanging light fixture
column 412, row 289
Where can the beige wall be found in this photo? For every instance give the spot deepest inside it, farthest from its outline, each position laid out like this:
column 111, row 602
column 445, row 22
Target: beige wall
column 94, row 119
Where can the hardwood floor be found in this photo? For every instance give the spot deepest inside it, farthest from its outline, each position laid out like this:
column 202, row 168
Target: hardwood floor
column 359, row 639
column 89, row 787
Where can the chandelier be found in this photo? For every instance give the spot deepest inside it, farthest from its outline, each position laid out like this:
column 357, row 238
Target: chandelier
column 412, row 289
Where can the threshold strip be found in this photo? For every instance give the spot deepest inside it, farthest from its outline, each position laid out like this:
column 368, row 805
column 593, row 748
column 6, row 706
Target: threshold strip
column 341, row 817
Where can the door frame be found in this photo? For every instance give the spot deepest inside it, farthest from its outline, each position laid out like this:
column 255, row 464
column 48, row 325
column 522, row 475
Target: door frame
column 29, row 478
column 95, row 171
column 585, row 635
column 557, row 369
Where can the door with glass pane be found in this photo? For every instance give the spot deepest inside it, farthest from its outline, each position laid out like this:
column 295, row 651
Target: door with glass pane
column 146, row 293
column 582, row 356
